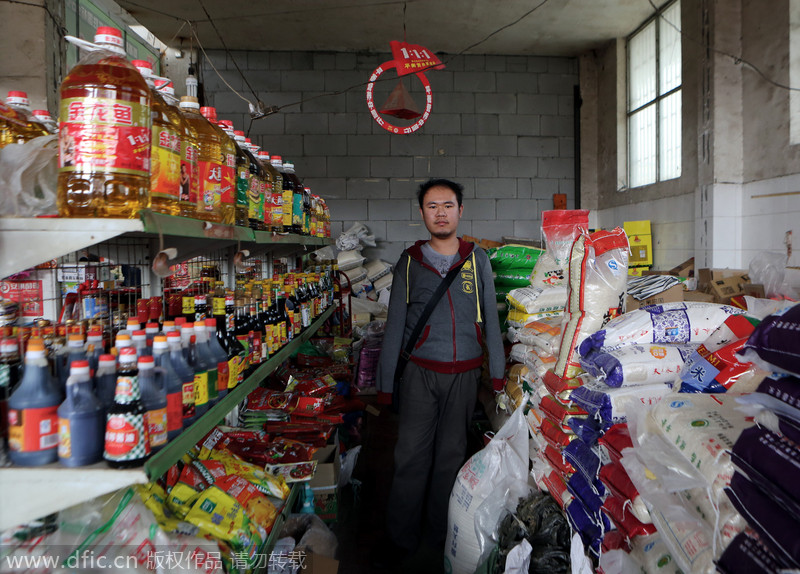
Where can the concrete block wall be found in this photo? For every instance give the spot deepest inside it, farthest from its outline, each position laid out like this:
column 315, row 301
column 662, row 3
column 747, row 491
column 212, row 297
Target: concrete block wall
column 502, row 126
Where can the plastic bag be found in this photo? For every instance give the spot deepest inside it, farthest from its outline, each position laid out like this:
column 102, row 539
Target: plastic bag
column 774, row 343
column 311, row 534
column 503, row 499
column 513, row 256
column 353, row 237
column 504, row 458
column 768, row 268
column 631, row 365
column 28, row 174
column 538, row 300
column 544, row 334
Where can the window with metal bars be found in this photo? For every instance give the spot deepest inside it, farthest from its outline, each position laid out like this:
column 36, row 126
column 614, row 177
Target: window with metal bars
column 654, row 98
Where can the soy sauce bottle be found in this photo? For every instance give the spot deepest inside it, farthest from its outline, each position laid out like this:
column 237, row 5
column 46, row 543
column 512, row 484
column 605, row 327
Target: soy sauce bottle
column 127, row 443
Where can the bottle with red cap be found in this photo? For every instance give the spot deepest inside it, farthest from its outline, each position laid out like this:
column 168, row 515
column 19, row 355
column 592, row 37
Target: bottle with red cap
column 173, row 386
column 18, row 101
column 154, row 399
column 255, row 193
column 127, row 443
column 104, row 134
column 81, row 421
column 242, row 175
column 165, row 148
column 224, row 204
column 32, row 411
column 274, row 190
column 278, row 209
column 186, row 374
column 189, row 178
column 10, row 373
column 13, row 126
column 43, row 117
column 105, row 380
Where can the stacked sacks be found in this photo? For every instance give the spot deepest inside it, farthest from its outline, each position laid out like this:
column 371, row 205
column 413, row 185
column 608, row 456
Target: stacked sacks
column 680, row 464
column 512, row 265
column 767, row 457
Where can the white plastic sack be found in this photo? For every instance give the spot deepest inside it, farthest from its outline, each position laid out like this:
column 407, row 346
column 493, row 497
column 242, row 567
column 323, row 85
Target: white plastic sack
column 28, row 174
column 637, row 364
column 505, row 458
column 519, row 558
column 544, row 334
column 538, row 300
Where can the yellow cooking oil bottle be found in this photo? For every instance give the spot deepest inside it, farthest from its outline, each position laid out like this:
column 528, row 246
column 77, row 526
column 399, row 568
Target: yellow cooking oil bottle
column 209, row 162
column 104, row 134
column 227, row 193
column 165, row 148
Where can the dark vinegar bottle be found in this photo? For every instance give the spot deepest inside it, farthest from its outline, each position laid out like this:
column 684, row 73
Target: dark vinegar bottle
column 127, row 443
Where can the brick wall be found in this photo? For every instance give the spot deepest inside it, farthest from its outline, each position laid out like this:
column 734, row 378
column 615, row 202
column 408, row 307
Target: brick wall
column 501, row 125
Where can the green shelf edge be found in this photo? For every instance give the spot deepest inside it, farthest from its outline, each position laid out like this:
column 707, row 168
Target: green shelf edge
column 160, row 462
column 155, row 223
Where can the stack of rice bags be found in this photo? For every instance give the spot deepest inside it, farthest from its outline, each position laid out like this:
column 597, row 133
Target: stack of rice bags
column 766, row 457
column 570, row 460
column 511, row 266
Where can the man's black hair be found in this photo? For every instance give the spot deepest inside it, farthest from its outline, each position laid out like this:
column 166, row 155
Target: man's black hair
column 457, row 188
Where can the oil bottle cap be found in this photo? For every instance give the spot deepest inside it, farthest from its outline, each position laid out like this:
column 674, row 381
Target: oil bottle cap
column 209, row 113
column 144, row 67
column 190, row 103
column 109, row 37
column 43, row 115
column 106, row 360
column 173, row 335
column 165, row 86
column 187, row 326
column 17, row 98
column 79, row 368
column 179, row 321
column 139, row 334
column 146, row 362
column 151, row 326
column 9, row 346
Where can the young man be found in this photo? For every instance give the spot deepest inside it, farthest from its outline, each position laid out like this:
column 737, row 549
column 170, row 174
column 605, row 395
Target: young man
column 440, row 380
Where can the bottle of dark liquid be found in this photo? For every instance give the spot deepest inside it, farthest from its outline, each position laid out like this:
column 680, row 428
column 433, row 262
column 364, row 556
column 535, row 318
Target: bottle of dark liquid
column 197, row 362
column 127, row 443
column 81, row 420
column 186, row 374
column 10, row 375
column 297, row 198
column 200, row 308
column 173, row 386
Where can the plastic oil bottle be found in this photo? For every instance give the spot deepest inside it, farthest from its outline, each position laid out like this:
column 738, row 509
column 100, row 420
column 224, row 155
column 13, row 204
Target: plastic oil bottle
column 165, row 148
column 189, row 177
column 256, row 192
column 297, row 198
column 278, row 190
column 12, row 126
column 43, row 116
column 105, row 380
column 243, row 170
column 186, row 373
column 209, row 162
column 104, row 134
column 227, row 190
column 18, row 101
column 81, row 420
column 32, row 412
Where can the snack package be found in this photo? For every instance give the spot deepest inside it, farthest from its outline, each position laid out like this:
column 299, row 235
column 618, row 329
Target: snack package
column 675, row 323
column 598, row 273
column 643, row 364
column 261, row 399
column 266, row 483
column 256, row 505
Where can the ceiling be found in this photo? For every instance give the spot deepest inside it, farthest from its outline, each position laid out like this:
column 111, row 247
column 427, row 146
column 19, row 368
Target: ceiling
column 553, row 27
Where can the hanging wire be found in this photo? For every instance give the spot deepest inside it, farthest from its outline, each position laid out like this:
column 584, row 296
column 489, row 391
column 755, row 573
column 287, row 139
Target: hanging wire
column 405, row 7
column 736, row 59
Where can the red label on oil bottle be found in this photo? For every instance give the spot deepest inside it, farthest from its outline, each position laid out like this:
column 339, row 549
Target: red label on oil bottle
column 103, row 133
column 212, row 180
column 189, row 172
column 31, row 430
column 228, row 188
column 165, row 163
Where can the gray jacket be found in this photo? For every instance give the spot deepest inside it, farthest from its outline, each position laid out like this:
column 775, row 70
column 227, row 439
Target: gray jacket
column 463, row 320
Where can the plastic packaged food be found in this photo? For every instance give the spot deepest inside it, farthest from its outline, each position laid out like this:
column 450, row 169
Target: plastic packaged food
column 643, row 364
column 513, row 256
column 533, row 300
column 774, row 343
column 613, row 405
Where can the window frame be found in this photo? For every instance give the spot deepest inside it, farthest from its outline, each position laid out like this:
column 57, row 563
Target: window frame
column 657, row 20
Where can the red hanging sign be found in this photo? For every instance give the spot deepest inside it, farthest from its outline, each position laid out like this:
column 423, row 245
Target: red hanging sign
column 408, row 59
column 413, row 58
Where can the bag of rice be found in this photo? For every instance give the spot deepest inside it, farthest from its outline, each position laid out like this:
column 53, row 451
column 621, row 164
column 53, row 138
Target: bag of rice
column 513, row 256
column 537, row 300
column 511, row 278
column 630, row 365
column 775, row 342
column 517, row 318
column 675, row 323
column 612, row 405
column 715, row 372
column 598, row 272
column 560, row 228
column 748, row 555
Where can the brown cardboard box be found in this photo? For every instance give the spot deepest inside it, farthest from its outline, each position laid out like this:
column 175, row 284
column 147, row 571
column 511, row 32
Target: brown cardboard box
column 318, row 564
column 725, row 288
column 685, row 269
column 705, row 277
column 753, row 290
column 698, row 296
column 672, row 295
column 326, row 492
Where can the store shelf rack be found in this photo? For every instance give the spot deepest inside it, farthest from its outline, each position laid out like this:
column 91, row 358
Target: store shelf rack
column 27, row 242
column 30, row 493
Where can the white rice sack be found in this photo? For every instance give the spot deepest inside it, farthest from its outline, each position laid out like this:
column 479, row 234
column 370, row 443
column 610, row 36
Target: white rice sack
column 544, row 334
column 350, row 259
column 356, row 275
column 377, row 269
column 548, row 272
column 612, row 405
column 517, row 318
column 537, row 361
column 598, row 273
column 675, row 323
column 637, row 364
column 502, row 463
column 538, row 300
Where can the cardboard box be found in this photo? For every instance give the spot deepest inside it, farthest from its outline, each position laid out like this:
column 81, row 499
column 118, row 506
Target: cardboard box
column 685, row 269
column 698, row 296
column 753, row 290
column 706, row 276
column 724, row 289
column 325, row 486
column 640, row 239
column 672, row 295
column 639, row 271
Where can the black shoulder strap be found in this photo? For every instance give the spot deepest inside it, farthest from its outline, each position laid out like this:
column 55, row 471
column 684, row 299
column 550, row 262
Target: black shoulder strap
column 405, row 355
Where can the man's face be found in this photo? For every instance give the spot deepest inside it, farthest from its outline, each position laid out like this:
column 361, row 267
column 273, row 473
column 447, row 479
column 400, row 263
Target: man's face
column 441, row 212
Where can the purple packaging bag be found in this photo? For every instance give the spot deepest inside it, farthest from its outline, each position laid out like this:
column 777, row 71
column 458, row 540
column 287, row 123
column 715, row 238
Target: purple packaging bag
column 785, row 389
column 778, row 529
column 789, row 428
column 591, row 495
column 747, row 555
column 772, row 463
column 777, row 340
column 582, row 459
column 588, row 430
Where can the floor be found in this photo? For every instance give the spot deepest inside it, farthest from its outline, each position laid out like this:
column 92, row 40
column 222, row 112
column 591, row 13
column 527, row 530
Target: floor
column 360, row 527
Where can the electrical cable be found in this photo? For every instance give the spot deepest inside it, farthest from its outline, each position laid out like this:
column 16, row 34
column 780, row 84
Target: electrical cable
column 213, row 67
column 736, row 59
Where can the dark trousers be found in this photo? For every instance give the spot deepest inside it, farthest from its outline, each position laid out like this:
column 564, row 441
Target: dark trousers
column 435, row 412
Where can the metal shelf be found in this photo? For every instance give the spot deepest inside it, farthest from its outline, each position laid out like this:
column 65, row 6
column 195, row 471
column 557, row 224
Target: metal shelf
column 28, row 493
column 27, row 242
